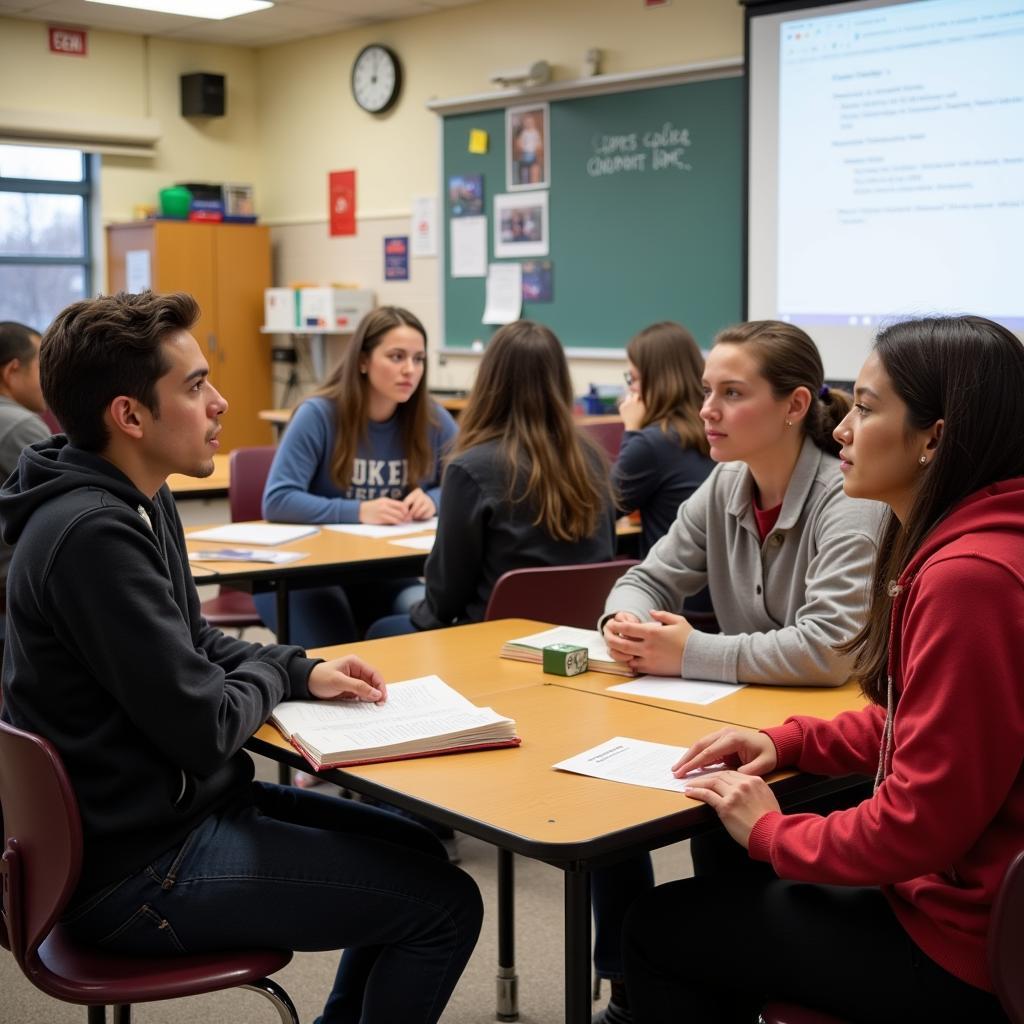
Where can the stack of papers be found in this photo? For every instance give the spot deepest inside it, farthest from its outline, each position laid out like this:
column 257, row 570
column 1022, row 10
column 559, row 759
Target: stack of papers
column 382, row 530
column 530, row 648
column 420, row 717
column 246, row 555
column 254, row 533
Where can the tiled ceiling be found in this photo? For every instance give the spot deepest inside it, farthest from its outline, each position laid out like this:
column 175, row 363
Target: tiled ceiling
column 287, row 20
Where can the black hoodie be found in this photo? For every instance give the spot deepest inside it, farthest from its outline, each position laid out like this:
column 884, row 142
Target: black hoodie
column 108, row 656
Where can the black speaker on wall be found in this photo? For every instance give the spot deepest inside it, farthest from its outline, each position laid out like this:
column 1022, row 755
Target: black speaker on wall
column 202, row 95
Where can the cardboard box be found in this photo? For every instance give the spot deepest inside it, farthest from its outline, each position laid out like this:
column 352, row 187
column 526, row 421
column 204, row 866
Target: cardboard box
column 564, row 659
column 350, row 306
column 336, row 309
column 280, row 309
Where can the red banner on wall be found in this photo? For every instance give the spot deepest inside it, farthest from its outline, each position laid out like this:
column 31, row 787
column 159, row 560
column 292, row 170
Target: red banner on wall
column 341, row 190
column 72, row 41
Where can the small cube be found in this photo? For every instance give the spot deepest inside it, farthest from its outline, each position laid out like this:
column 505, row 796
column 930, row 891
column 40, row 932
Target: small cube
column 565, row 659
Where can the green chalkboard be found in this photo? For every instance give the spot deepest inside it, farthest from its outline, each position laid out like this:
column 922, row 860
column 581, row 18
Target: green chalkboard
column 654, row 235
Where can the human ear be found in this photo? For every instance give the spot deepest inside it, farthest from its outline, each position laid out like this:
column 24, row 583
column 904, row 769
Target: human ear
column 799, row 403
column 123, row 414
column 935, row 435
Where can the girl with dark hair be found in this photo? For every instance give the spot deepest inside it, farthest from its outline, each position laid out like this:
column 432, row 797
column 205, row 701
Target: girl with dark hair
column 523, row 486
column 784, row 553
column 911, row 872
column 664, row 453
column 365, row 448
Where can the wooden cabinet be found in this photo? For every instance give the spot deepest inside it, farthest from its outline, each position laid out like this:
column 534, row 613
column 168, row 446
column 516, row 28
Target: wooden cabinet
column 226, row 267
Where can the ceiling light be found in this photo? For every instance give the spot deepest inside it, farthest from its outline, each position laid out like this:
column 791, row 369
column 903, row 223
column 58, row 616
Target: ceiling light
column 216, row 9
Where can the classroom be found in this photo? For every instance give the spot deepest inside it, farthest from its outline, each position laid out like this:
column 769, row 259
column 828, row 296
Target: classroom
column 520, row 210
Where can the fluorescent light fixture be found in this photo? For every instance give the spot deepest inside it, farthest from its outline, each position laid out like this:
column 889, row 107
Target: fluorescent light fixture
column 215, row 9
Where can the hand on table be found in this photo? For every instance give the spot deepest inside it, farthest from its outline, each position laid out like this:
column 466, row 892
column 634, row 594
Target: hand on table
column 419, row 504
column 384, row 512
column 349, row 678
column 653, row 647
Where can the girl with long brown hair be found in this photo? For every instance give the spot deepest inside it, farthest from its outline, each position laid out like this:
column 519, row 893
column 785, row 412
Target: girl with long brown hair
column 881, row 912
column 664, row 453
column 523, row 486
column 367, row 448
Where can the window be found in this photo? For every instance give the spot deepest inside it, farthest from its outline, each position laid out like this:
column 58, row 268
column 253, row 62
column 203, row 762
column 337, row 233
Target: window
column 45, row 251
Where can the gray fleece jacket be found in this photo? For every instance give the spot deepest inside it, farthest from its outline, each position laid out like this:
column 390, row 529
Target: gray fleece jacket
column 781, row 604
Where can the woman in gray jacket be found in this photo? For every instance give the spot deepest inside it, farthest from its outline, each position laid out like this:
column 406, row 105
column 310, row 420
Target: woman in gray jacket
column 786, row 555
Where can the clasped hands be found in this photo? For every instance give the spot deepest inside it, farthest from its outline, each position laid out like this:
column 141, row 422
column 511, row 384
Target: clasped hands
column 652, row 647
column 416, row 505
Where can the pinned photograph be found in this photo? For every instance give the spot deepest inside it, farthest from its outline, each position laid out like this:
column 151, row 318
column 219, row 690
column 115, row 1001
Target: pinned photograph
column 521, row 225
column 537, row 281
column 466, row 195
column 527, row 156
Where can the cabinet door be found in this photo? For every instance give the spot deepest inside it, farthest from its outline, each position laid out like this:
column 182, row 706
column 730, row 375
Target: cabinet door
column 183, row 262
column 239, row 355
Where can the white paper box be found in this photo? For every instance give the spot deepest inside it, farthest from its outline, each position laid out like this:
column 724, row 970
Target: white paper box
column 316, row 307
column 350, row 306
column 279, row 309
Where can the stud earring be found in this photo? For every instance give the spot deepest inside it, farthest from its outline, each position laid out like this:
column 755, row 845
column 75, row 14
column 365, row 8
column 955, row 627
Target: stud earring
column 789, row 423
column 923, row 460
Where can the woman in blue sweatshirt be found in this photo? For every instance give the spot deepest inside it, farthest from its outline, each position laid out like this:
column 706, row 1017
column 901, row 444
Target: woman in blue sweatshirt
column 365, row 448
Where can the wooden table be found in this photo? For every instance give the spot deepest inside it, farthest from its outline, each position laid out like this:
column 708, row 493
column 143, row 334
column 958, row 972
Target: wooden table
column 330, row 557
column 513, row 799
column 213, row 486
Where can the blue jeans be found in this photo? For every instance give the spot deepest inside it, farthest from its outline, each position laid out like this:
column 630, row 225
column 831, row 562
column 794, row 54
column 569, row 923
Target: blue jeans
column 284, row 868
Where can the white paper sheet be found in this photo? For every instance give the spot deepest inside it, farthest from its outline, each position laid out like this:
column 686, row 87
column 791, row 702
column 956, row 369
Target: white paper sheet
column 381, row 530
column 246, row 555
column 423, row 232
column 417, row 543
column 469, row 246
column 635, row 762
column 504, row 293
column 689, row 691
column 254, row 533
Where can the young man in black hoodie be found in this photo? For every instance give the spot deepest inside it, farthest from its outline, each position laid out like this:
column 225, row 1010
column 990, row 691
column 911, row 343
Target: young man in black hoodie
column 109, row 658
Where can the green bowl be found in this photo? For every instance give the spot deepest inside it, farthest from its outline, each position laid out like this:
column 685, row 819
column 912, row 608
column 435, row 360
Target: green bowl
column 175, row 202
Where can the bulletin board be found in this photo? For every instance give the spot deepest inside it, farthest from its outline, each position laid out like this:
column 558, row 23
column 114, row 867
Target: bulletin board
column 645, row 208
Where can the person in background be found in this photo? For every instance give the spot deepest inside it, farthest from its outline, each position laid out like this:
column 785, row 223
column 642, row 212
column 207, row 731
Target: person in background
column 664, row 454
column 785, row 553
column 880, row 913
column 110, row 659
column 365, row 448
column 21, row 406
column 523, row 486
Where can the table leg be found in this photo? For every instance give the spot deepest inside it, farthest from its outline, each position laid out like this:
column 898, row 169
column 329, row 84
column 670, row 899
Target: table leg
column 577, row 945
column 508, row 980
column 284, row 773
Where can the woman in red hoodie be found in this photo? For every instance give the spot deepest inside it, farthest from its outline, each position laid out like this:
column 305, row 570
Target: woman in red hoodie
column 880, row 912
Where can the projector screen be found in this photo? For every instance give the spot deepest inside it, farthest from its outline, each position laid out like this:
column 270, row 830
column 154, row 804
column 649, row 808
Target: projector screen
column 886, row 167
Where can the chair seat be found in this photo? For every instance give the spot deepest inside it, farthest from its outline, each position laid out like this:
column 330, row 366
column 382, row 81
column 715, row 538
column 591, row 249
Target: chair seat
column 231, row 608
column 81, row 975
column 788, row 1013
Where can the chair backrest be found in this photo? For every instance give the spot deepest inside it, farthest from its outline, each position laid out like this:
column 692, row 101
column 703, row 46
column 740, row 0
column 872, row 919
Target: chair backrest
column 1006, row 940
column 607, row 435
column 570, row 595
column 42, row 833
column 248, row 469
column 51, row 421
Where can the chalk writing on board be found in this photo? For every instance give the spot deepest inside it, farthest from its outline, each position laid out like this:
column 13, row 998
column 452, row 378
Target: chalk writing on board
column 659, row 149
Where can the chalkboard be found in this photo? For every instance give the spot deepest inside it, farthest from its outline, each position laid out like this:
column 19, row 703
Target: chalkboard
column 645, row 213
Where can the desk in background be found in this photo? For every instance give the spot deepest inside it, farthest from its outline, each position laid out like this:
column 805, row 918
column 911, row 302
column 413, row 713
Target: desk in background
column 512, row 798
column 213, row 486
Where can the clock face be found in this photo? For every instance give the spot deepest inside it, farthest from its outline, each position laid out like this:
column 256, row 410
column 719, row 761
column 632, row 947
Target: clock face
column 376, row 78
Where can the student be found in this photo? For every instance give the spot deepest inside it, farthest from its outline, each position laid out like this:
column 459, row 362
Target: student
column 21, row 403
column 664, row 453
column 880, row 912
column 523, row 486
column 366, row 448
column 110, row 659
column 784, row 552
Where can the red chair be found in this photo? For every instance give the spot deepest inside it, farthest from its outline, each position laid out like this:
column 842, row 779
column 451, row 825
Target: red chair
column 571, row 595
column 1005, row 942
column 607, row 435
column 248, row 469
column 40, row 867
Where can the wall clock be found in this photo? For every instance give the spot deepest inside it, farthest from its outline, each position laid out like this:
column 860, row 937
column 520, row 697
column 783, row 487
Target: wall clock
column 376, row 78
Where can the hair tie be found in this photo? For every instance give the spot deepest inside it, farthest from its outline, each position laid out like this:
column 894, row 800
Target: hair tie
column 824, row 393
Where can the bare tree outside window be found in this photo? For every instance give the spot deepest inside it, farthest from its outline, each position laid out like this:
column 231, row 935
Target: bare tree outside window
column 44, row 232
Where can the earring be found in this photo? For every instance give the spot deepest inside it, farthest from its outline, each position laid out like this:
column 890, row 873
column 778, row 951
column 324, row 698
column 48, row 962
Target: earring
column 923, row 460
column 789, row 423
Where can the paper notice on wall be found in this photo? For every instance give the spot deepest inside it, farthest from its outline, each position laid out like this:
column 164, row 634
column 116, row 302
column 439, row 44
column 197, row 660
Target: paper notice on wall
column 504, row 293
column 424, row 226
column 138, row 274
column 469, row 246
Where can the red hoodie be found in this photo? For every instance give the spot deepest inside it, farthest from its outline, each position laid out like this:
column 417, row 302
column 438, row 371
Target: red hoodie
column 941, row 829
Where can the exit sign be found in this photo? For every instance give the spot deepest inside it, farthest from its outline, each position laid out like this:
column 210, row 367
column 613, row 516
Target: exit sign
column 68, row 40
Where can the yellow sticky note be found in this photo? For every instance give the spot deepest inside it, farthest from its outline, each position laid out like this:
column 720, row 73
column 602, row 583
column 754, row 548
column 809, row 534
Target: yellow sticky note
column 478, row 139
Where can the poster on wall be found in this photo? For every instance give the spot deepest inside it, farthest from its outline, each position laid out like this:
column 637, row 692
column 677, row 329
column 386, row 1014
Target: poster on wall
column 466, row 195
column 396, row 258
column 341, row 198
column 521, row 225
column 468, row 246
column 424, row 226
column 537, row 281
column 527, row 161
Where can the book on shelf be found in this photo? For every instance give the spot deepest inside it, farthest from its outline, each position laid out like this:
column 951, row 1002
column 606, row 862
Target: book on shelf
column 530, row 648
column 420, row 717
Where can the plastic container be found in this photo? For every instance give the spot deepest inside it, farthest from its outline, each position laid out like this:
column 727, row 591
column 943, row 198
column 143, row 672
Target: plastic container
column 175, row 202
